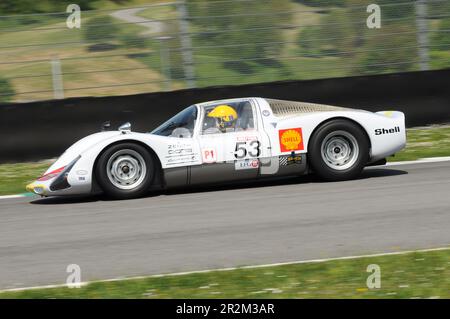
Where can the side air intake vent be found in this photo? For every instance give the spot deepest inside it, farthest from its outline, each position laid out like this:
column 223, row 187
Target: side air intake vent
column 288, row 108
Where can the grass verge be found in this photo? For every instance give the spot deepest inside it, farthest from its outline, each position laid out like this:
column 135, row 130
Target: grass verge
column 422, row 142
column 411, row 275
column 14, row 177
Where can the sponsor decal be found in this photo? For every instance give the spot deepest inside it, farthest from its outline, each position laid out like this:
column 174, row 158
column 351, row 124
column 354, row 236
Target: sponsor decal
column 246, row 138
column 182, row 160
column 180, row 154
column 209, row 155
column 286, row 160
column 381, row 131
column 246, row 164
column 179, row 149
column 291, row 139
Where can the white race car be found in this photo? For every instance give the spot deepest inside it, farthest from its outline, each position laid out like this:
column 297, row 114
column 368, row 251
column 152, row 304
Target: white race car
column 226, row 141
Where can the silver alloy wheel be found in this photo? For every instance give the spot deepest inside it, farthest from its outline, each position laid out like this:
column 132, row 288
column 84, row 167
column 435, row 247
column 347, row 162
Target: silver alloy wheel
column 126, row 169
column 339, row 150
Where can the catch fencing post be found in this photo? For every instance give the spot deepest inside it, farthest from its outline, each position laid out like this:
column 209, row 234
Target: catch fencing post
column 422, row 34
column 58, row 89
column 186, row 44
column 164, row 53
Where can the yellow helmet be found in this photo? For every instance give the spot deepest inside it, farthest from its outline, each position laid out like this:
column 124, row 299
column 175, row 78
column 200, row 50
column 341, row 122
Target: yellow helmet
column 225, row 114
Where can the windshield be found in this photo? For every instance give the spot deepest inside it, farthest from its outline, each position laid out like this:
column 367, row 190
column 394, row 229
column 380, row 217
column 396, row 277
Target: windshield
column 181, row 125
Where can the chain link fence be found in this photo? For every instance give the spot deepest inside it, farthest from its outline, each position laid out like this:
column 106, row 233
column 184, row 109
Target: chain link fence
column 185, row 44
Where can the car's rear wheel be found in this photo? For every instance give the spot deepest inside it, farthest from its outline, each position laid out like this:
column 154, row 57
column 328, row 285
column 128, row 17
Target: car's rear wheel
column 338, row 150
column 125, row 170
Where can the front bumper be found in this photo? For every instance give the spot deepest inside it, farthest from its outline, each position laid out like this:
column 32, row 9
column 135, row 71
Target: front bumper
column 37, row 188
column 57, row 185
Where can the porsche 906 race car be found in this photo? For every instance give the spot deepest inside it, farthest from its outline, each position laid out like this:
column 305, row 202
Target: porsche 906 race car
column 226, row 141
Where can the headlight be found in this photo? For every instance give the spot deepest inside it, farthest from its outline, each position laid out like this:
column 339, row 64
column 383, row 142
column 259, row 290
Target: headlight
column 38, row 190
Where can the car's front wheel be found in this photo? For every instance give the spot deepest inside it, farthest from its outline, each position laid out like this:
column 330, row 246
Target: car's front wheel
column 338, row 150
column 125, row 170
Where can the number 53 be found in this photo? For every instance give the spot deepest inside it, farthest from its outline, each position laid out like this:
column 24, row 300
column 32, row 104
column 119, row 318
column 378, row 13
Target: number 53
column 253, row 149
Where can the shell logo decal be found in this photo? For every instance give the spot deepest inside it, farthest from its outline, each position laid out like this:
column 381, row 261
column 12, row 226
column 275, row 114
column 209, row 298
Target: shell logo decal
column 291, row 139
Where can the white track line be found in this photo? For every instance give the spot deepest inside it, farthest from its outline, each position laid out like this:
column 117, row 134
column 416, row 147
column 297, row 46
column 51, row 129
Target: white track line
column 421, row 161
column 12, row 196
column 297, row 262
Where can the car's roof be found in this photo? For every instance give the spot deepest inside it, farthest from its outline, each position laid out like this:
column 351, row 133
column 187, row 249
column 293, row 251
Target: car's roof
column 224, row 101
column 283, row 108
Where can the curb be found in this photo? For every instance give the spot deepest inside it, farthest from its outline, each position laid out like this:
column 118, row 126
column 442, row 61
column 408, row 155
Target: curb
column 16, row 196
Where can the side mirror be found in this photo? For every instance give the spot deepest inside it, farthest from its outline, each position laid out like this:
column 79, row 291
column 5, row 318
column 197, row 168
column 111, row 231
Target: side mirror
column 125, row 128
column 106, row 126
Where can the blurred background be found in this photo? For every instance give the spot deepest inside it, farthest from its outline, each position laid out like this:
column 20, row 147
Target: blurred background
column 135, row 46
column 127, row 47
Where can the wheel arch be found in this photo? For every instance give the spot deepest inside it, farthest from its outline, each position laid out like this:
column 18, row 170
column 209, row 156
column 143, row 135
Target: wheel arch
column 341, row 118
column 159, row 175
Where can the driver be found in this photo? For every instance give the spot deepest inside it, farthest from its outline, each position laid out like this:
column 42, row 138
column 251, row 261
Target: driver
column 225, row 119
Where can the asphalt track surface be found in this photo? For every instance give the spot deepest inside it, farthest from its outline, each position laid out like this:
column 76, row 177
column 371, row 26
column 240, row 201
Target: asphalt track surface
column 388, row 209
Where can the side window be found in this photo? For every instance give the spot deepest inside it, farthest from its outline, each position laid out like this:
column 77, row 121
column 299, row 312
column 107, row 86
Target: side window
column 245, row 120
column 216, row 122
column 209, row 123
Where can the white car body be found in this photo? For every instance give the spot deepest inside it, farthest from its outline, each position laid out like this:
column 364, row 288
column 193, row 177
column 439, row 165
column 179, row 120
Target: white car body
column 199, row 159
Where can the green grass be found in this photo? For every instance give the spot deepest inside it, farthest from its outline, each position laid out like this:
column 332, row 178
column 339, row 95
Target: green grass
column 14, row 177
column 412, row 275
column 432, row 141
column 422, row 142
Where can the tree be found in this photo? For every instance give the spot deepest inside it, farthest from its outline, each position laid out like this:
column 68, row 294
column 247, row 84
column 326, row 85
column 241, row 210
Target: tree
column 42, row 6
column 100, row 29
column 339, row 31
column 321, row 3
column 441, row 38
column 241, row 30
column 310, row 40
column 386, row 53
column 342, row 32
column 6, row 90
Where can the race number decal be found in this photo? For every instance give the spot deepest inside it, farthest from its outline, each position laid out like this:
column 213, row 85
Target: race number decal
column 291, row 140
column 250, row 148
column 209, row 155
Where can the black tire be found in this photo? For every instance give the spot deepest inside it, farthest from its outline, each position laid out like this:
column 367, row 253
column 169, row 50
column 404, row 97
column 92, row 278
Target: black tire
column 337, row 133
column 120, row 154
